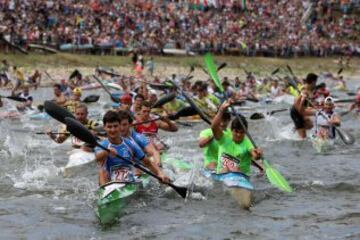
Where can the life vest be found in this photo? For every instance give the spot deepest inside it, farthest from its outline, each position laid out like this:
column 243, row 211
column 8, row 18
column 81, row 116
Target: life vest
column 152, row 128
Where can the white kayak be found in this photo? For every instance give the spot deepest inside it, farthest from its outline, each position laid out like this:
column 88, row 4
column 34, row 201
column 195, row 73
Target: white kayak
column 77, row 160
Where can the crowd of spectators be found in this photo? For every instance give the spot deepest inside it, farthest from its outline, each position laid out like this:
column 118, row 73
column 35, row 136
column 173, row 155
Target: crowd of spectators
column 261, row 27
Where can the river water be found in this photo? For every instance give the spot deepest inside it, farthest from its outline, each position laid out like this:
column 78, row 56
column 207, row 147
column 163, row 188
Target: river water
column 38, row 202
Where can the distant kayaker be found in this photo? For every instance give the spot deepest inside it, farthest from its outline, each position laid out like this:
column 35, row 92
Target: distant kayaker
column 326, row 119
column 25, row 94
column 59, row 97
column 74, row 100
column 119, row 169
column 81, row 114
column 151, row 129
column 302, row 110
column 356, row 104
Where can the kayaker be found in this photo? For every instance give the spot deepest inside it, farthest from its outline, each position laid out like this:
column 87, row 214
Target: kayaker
column 302, row 110
column 138, row 138
column 236, row 151
column 210, row 145
column 151, row 129
column 20, row 78
column 74, row 101
column 59, row 97
column 324, row 125
column 138, row 100
column 125, row 102
column 113, row 168
column 25, row 94
column 356, row 104
column 81, row 114
column 4, row 69
column 35, row 79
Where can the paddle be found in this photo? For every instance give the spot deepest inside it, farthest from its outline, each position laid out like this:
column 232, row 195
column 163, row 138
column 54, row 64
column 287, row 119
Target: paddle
column 91, row 98
column 57, row 112
column 275, row 71
column 14, row 98
column 47, row 74
column 183, row 112
column 275, row 178
column 165, row 99
column 221, row 66
column 349, row 100
column 257, row 115
column 81, row 132
column 192, row 104
column 106, row 89
column 346, row 137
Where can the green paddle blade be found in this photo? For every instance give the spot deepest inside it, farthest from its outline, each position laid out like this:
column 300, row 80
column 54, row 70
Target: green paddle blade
column 212, row 70
column 276, row 179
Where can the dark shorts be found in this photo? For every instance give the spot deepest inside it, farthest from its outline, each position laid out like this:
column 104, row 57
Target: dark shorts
column 297, row 118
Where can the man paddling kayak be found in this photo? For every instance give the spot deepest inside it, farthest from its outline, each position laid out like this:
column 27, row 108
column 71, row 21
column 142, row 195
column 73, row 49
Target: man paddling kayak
column 81, row 114
column 301, row 111
column 210, row 145
column 151, row 129
column 235, row 151
column 325, row 120
column 112, row 167
column 140, row 139
column 59, row 97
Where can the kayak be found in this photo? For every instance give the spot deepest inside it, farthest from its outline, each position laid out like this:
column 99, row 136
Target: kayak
column 113, row 197
column 77, row 160
column 231, row 179
column 238, row 184
column 175, row 164
column 114, row 86
column 322, row 145
column 90, row 86
column 192, row 119
column 39, row 116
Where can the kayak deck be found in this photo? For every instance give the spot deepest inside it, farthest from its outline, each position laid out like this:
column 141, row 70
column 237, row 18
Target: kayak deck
column 113, row 197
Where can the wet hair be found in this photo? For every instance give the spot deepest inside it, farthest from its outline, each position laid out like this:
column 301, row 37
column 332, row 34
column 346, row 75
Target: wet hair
column 321, row 85
column 111, row 117
column 125, row 115
column 140, row 96
column 56, row 85
column 146, row 104
column 81, row 105
column 236, row 124
column 311, row 78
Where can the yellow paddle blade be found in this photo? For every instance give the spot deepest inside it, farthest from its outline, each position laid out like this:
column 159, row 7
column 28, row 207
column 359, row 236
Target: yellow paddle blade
column 276, row 179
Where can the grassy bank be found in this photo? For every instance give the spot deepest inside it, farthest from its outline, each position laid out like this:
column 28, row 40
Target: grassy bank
column 178, row 64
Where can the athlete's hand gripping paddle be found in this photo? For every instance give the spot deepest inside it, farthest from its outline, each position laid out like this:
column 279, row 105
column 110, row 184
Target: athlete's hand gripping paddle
column 275, row 178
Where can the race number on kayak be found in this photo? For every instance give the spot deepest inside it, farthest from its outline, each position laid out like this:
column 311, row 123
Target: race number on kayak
column 229, row 163
column 121, row 174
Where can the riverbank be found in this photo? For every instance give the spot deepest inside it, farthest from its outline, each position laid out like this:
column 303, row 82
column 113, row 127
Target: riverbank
column 62, row 64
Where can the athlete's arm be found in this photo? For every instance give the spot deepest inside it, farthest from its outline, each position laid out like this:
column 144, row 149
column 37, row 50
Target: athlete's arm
column 167, row 125
column 215, row 124
column 150, row 150
column 203, row 141
column 155, row 169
